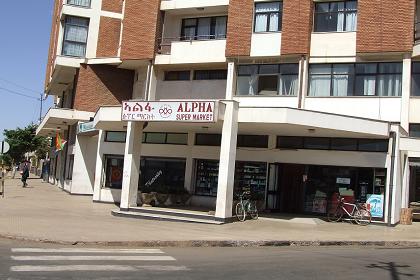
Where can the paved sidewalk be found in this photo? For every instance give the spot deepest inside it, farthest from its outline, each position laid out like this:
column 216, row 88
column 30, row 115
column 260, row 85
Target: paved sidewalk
column 43, row 212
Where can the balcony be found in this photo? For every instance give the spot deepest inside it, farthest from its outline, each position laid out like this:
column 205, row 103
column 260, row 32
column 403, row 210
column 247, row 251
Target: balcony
column 200, row 49
column 58, row 120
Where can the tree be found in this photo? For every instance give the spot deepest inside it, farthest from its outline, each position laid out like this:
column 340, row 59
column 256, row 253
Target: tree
column 24, row 140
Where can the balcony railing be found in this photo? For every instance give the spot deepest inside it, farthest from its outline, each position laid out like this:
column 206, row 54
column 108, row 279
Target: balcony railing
column 164, row 44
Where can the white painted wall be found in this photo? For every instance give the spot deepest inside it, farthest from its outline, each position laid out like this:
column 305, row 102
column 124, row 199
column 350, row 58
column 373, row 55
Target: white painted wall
column 381, row 108
column 263, row 101
column 333, row 44
column 84, row 164
column 211, row 89
column 414, row 110
column 266, row 44
column 192, row 52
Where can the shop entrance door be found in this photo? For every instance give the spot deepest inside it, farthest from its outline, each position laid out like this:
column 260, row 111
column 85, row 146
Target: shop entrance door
column 414, row 194
column 286, row 188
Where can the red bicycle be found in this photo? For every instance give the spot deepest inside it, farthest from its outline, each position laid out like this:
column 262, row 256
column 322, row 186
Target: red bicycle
column 359, row 212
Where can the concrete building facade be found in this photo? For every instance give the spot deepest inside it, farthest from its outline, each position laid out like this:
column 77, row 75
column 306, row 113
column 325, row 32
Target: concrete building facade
column 311, row 99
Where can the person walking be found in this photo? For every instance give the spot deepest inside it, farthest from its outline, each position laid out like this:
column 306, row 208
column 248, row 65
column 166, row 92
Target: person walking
column 25, row 174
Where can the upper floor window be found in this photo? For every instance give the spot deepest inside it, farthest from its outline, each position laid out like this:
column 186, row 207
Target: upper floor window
column 268, row 79
column 81, row 3
column 335, row 16
column 268, row 16
column 204, row 28
column 75, row 36
column 414, row 130
column 415, row 84
column 362, row 79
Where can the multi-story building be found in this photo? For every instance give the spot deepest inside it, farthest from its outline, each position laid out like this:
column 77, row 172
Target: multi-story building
column 309, row 99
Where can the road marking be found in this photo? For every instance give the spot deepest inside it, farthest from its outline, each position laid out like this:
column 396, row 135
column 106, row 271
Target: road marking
column 82, row 250
column 92, row 258
column 57, row 268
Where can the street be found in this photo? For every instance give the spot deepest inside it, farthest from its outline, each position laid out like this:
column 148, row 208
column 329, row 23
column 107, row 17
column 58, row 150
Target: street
column 21, row 260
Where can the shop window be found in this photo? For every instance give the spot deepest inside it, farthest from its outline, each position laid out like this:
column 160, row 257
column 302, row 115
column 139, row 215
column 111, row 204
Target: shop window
column 165, row 138
column 114, row 167
column 162, row 175
column 373, row 145
column 316, row 143
column 210, row 74
column 268, row 17
column 177, row 75
column 204, row 139
column 335, row 16
column 251, row 176
column 268, row 79
column 72, row 134
column 115, row 136
column 206, row 177
column 289, row 142
column 414, row 130
column 343, row 144
column 361, row 79
column 253, row 141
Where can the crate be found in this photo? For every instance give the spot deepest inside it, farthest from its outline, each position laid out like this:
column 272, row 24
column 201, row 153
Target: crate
column 406, row 217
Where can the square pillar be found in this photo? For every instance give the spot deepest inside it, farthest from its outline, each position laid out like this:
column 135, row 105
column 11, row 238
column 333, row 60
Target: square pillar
column 97, row 185
column 227, row 162
column 406, row 92
column 231, row 81
column 131, row 171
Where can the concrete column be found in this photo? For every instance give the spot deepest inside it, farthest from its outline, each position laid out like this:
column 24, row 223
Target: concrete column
column 231, row 81
column 97, row 185
column 227, row 161
column 303, row 81
column 152, row 83
column 131, row 171
column 406, row 91
column 189, row 164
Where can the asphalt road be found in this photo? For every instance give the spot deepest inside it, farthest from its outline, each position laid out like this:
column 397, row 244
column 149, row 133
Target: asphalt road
column 36, row 261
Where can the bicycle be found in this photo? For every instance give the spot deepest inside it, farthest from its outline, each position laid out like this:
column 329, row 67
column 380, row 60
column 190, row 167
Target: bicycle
column 246, row 206
column 359, row 212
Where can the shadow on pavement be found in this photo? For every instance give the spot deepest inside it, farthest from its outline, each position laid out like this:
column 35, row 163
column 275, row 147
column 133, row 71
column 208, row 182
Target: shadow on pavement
column 393, row 269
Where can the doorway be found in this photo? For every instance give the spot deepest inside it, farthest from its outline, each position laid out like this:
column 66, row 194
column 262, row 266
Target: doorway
column 285, row 191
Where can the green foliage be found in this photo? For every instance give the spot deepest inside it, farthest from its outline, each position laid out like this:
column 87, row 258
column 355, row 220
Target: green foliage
column 24, row 140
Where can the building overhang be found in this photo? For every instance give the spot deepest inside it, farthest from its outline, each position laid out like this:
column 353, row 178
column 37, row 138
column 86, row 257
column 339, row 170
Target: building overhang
column 65, row 68
column 264, row 121
column 58, row 119
column 312, row 123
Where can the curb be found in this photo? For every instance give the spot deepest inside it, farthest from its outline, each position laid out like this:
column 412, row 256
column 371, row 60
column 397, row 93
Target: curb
column 220, row 243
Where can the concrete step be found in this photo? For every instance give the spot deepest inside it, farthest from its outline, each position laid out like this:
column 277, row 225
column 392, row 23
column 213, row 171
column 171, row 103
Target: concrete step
column 173, row 212
column 163, row 217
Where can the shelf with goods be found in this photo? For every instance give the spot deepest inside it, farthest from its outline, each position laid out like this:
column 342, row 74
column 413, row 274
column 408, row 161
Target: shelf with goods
column 253, row 177
column 379, row 183
column 207, row 173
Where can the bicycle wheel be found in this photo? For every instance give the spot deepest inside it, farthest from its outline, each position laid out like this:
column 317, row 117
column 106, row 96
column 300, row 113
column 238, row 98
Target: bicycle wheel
column 335, row 215
column 362, row 217
column 240, row 212
column 253, row 211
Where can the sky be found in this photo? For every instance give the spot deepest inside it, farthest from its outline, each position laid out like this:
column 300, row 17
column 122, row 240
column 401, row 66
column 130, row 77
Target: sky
column 24, row 32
